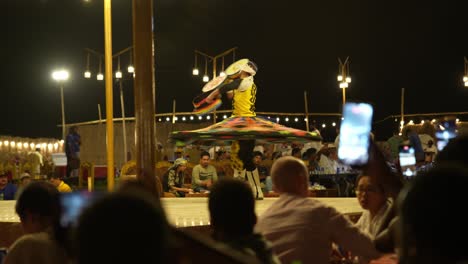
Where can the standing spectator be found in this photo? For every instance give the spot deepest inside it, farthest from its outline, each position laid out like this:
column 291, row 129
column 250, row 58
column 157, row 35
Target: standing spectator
column 72, row 150
column 232, row 216
column 203, row 174
column 303, row 229
column 173, row 179
column 7, row 189
column 394, row 142
column 39, row 210
column 37, row 162
column 59, row 183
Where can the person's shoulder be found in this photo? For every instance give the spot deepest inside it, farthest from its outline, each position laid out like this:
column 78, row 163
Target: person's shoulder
column 29, row 241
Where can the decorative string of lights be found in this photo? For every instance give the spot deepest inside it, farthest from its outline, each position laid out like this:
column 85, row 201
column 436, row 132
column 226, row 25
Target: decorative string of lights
column 26, row 145
column 118, row 74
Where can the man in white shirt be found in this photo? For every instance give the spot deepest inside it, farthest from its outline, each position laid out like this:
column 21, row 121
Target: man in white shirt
column 303, row 229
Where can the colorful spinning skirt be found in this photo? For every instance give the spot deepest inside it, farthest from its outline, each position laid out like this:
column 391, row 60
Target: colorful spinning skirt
column 244, row 128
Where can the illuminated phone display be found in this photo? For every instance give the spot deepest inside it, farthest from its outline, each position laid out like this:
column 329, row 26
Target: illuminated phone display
column 407, row 160
column 355, row 130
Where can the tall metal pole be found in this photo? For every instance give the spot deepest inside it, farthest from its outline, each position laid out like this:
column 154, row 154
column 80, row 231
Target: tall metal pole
column 63, row 111
column 402, row 108
column 109, row 95
column 144, row 94
column 124, row 130
column 306, row 110
column 214, row 76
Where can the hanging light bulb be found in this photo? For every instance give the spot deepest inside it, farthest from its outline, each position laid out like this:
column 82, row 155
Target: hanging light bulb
column 340, row 78
column 118, row 73
column 206, row 78
column 87, row 73
column 195, row 69
column 130, row 67
column 100, row 76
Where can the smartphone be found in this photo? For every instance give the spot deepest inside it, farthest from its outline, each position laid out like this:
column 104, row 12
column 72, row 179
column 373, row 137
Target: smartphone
column 407, row 160
column 446, row 130
column 354, row 141
column 73, row 204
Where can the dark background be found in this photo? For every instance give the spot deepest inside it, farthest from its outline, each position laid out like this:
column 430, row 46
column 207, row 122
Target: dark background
column 418, row 45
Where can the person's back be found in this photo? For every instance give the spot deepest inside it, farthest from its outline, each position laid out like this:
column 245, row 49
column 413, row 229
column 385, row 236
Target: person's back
column 39, row 209
column 232, row 215
column 303, row 229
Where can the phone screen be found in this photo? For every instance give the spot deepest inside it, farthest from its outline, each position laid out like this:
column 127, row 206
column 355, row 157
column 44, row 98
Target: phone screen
column 407, row 160
column 446, row 130
column 353, row 148
column 73, row 204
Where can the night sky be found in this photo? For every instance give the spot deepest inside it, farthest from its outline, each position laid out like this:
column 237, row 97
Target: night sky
column 418, row 45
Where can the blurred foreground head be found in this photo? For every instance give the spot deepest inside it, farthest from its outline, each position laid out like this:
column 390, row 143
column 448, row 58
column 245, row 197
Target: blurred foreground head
column 128, row 226
column 433, row 229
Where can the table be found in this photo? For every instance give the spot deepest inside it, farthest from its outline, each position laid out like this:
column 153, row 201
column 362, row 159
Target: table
column 180, row 212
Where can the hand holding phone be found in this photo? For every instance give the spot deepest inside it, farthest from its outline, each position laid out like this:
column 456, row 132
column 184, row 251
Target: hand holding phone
column 353, row 148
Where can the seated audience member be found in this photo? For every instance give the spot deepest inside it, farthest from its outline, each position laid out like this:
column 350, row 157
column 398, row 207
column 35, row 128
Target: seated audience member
column 296, row 152
column 127, row 226
column 59, row 183
column 428, row 234
column 375, row 204
column 232, row 215
column 174, row 178
column 7, row 189
column 25, row 179
column 257, row 160
column 203, row 174
column 303, row 229
column 39, row 210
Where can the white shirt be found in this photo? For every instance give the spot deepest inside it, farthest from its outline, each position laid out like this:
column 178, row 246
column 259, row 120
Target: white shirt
column 304, row 229
column 371, row 226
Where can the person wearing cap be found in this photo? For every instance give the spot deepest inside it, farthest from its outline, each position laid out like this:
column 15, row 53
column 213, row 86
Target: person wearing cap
column 25, row 179
column 173, row 179
column 7, row 189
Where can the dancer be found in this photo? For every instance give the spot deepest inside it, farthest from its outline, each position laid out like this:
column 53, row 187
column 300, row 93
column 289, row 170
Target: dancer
column 243, row 128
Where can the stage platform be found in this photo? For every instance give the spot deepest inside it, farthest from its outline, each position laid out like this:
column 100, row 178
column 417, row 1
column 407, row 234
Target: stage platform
column 180, row 212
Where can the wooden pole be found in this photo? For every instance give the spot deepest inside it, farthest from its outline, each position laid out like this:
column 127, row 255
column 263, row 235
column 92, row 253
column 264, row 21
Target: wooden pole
column 99, row 112
column 173, row 114
column 402, row 109
column 306, row 110
column 124, row 130
column 109, row 94
column 144, row 94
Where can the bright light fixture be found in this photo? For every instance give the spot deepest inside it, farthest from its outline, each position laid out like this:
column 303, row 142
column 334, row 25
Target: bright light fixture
column 208, row 117
column 323, row 125
column 206, row 78
column 348, row 79
column 343, row 85
column 87, row 74
column 333, row 124
column 465, row 78
column 100, row 76
column 339, row 78
column 118, row 74
column 286, row 119
column 195, row 71
column 130, row 69
column 222, row 74
column 60, row 75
